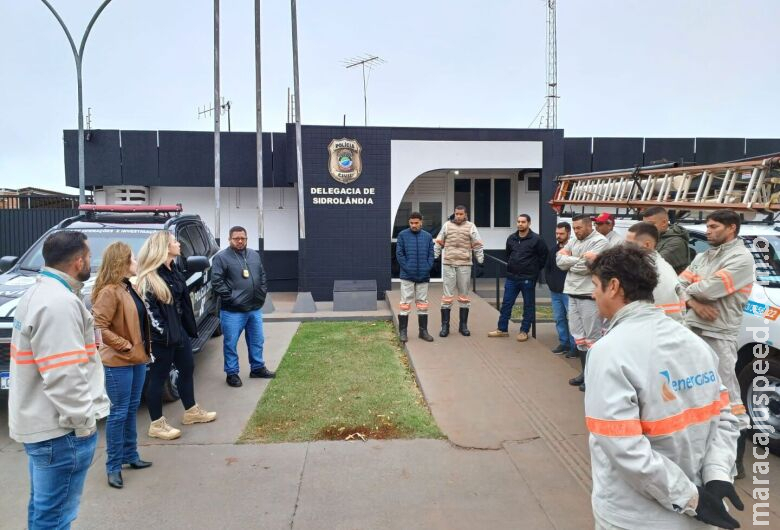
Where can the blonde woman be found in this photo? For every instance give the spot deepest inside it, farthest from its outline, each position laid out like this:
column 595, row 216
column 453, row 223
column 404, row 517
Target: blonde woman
column 121, row 317
column 164, row 291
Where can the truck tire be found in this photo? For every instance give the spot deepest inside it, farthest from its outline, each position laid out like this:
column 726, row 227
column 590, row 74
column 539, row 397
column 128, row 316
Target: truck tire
column 170, row 391
column 761, row 413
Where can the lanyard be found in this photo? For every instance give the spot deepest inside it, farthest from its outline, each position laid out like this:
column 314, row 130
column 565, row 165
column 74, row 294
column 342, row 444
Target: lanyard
column 63, row 282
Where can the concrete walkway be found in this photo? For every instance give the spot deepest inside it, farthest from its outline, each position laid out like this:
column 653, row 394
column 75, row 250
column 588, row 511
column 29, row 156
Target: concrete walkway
column 497, row 393
column 516, row 459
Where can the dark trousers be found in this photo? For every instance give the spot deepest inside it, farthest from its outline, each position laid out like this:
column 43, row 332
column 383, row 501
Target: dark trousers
column 164, row 357
column 513, row 288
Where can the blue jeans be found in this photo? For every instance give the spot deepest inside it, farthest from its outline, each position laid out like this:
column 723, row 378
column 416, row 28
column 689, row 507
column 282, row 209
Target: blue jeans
column 123, row 386
column 560, row 308
column 58, row 469
column 512, row 288
column 233, row 323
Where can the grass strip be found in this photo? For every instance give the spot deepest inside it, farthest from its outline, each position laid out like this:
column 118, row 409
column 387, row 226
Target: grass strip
column 342, row 380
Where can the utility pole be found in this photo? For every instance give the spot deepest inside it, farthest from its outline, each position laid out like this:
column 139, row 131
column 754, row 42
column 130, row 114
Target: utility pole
column 259, row 125
column 297, row 95
column 79, row 57
column 368, row 60
column 217, row 149
column 552, row 67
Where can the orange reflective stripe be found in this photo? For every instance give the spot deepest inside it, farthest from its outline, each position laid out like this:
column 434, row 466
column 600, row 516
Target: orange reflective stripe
column 16, row 359
column 580, row 341
column 422, row 306
column 672, row 308
column 687, row 274
column 23, row 353
column 406, row 306
column 60, row 355
column 447, row 298
column 80, row 360
column 725, row 401
column 681, row 421
column 614, row 428
column 746, row 290
column 463, row 299
column 727, row 279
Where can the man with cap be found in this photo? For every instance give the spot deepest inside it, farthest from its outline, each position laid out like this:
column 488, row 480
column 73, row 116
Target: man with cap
column 605, row 225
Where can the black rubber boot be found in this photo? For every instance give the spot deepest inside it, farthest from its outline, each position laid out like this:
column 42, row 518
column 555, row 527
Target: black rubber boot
column 464, row 320
column 403, row 324
column 423, row 323
column 741, row 453
column 580, row 379
column 445, row 322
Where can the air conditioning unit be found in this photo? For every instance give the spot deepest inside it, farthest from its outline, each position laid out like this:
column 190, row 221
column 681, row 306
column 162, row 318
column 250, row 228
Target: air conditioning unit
column 126, row 194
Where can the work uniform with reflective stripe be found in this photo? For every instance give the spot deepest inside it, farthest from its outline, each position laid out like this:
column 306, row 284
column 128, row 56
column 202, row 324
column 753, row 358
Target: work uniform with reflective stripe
column 57, row 384
column 723, row 277
column 659, row 421
column 668, row 294
column 457, row 242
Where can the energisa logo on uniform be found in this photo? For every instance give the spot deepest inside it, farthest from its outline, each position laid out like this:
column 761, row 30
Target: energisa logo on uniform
column 671, row 385
column 345, row 163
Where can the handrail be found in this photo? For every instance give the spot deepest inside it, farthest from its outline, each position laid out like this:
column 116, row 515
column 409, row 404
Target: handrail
column 498, row 290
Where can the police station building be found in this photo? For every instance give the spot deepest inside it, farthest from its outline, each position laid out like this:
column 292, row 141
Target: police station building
column 361, row 183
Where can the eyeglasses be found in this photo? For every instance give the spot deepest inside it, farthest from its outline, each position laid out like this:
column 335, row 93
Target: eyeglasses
column 238, row 238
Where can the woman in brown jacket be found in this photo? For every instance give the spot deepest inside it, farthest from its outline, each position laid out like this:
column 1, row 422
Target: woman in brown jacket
column 121, row 318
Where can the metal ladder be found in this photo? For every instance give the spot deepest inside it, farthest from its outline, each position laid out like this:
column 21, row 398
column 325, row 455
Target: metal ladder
column 744, row 185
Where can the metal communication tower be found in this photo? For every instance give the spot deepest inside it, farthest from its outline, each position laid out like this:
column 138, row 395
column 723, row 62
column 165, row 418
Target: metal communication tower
column 366, row 61
column 552, row 68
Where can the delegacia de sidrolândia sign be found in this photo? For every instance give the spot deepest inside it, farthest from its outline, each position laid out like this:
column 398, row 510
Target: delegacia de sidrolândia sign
column 345, row 165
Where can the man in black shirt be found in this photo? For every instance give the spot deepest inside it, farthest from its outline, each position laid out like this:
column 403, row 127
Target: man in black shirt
column 526, row 255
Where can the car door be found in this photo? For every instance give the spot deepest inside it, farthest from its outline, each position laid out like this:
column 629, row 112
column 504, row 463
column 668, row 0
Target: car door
column 197, row 283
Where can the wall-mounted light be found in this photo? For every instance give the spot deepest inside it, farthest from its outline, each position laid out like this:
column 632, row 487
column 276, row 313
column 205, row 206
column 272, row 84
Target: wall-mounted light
column 457, row 172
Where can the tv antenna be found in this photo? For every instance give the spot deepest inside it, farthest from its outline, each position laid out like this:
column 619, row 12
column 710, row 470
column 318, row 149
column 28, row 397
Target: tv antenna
column 224, row 108
column 364, row 61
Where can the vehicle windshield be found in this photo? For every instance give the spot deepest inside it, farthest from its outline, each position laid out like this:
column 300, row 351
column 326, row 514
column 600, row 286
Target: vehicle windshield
column 767, row 258
column 98, row 240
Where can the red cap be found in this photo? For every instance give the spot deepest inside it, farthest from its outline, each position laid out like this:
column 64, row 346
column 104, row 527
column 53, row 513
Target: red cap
column 604, row 217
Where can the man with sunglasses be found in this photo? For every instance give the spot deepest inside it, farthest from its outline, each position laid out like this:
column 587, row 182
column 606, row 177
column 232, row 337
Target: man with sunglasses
column 238, row 278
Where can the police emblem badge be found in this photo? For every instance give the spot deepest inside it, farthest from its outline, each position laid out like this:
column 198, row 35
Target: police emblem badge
column 344, row 162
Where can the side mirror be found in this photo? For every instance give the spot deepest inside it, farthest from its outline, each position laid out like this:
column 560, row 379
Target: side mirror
column 6, row 262
column 197, row 264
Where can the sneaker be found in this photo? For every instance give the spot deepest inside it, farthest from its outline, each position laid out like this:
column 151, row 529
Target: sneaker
column 233, row 380
column 522, row 336
column 263, row 373
column 197, row 415
column 559, row 349
column 498, row 333
column 160, row 429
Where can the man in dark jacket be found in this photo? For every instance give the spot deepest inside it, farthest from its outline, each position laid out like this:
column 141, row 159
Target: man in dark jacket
column 238, row 278
column 673, row 242
column 414, row 252
column 526, row 255
column 560, row 300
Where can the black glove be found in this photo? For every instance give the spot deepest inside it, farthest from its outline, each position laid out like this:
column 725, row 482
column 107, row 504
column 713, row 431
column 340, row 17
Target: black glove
column 711, row 509
column 479, row 272
column 722, row 490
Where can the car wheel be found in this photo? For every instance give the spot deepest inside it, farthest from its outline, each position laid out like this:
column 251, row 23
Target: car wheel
column 762, row 401
column 170, row 388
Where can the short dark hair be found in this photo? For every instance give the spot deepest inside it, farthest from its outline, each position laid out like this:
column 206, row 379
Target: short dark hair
column 631, row 266
column 654, row 210
column 527, row 217
column 582, row 216
column 235, row 229
column 726, row 217
column 461, row 207
column 61, row 247
column 563, row 224
column 644, row 228
column 415, row 215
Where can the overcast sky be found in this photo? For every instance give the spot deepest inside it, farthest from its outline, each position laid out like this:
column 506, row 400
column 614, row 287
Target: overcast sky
column 674, row 68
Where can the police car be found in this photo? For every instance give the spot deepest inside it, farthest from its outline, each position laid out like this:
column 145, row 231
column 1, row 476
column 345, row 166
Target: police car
column 132, row 224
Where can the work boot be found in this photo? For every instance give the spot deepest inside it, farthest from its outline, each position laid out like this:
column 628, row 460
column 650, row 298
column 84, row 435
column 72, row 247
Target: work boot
column 195, row 414
column 403, row 324
column 580, row 379
column 464, row 320
column 445, row 322
column 422, row 321
column 741, row 453
column 160, row 429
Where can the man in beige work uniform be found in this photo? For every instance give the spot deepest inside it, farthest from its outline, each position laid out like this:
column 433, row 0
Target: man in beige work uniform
column 458, row 239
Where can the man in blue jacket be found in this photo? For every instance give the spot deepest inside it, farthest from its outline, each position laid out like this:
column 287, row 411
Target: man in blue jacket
column 414, row 252
column 526, row 255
